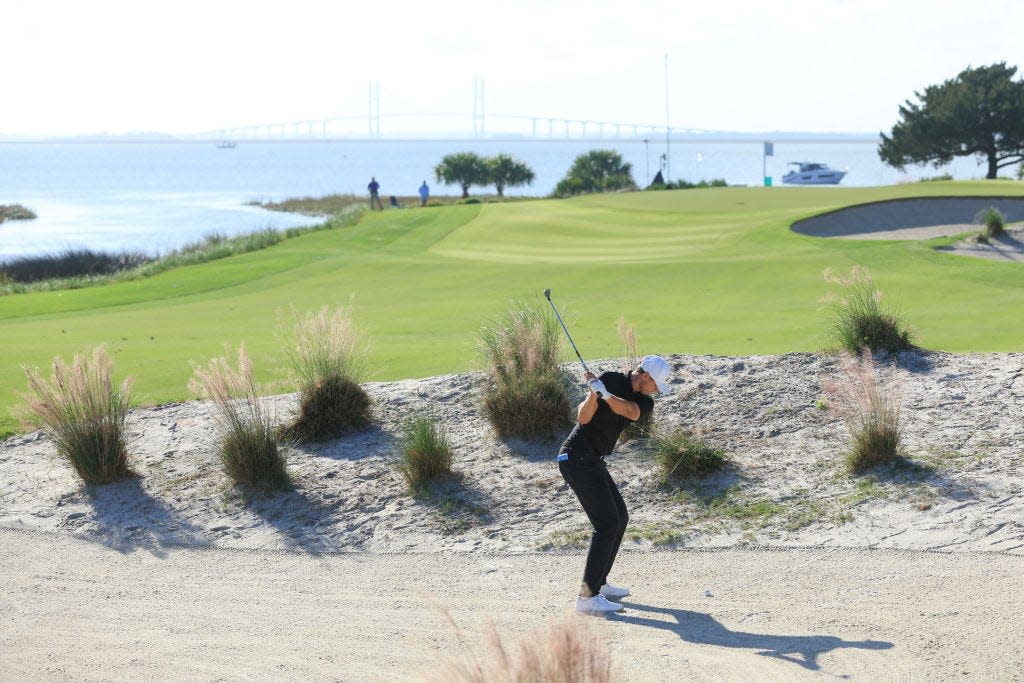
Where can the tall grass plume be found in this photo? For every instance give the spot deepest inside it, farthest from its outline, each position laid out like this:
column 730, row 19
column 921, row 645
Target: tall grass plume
column 426, row 452
column 994, row 222
column 525, row 393
column 860, row 321
column 565, row 650
column 247, row 446
column 85, row 414
column 329, row 360
column 630, row 354
column 868, row 401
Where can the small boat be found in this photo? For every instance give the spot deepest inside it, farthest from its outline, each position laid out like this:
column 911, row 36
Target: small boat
column 225, row 144
column 810, row 173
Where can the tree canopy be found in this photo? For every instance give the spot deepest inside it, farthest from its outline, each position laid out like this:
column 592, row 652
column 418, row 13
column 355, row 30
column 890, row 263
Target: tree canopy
column 464, row 169
column 507, row 171
column 980, row 112
column 599, row 170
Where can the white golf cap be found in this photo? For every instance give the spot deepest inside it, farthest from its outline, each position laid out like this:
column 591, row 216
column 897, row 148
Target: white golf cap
column 657, row 367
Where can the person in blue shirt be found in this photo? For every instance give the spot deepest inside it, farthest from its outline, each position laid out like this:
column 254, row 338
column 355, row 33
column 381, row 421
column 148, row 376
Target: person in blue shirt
column 424, row 193
column 374, row 188
column 613, row 402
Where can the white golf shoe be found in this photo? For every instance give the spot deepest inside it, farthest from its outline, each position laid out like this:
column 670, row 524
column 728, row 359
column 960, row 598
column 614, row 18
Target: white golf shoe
column 596, row 605
column 614, row 592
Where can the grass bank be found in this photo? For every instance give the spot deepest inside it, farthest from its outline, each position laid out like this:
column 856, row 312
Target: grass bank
column 713, row 271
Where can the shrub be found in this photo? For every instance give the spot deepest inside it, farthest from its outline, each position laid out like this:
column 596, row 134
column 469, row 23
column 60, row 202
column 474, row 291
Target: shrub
column 994, row 222
column 869, row 406
column 329, row 360
column 565, row 651
column 15, row 212
column 686, row 185
column 682, row 453
column 860, row 321
column 248, row 445
column 85, row 414
column 525, row 394
column 426, row 453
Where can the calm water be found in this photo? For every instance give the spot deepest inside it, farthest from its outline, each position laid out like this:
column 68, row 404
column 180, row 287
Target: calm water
column 154, row 197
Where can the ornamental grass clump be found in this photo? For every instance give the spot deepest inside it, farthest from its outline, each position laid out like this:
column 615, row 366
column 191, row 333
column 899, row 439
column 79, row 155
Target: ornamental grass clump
column 329, row 360
column 860, row 321
column 994, row 222
column 247, row 445
column 868, row 402
column 566, row 650
column 525, row 393
column 682, row 453
column 426, row 453
column 85, row 414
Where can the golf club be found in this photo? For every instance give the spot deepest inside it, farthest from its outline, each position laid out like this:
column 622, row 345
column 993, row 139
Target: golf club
column 547, row 295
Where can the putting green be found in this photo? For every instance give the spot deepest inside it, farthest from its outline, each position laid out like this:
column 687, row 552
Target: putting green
column 714, row 271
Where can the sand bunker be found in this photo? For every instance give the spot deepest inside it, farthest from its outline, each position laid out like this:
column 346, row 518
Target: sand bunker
column 924, row 218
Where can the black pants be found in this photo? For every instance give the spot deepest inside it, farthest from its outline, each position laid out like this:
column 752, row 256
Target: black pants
column 589, row 480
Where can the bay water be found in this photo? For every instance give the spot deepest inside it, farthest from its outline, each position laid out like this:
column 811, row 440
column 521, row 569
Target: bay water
column 157, row 196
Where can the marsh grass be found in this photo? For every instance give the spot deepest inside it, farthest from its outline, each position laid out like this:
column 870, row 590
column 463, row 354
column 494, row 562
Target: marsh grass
column 426, row 453
column 682, row 453
column 85, row 414
column 329, row 360
column 565, row 650
column 860, row 321
column 868, row 401
column 525, row 393
column 70, row 263
column 248, row 446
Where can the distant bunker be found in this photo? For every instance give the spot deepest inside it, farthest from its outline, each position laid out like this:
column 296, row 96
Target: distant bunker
column 909, row 219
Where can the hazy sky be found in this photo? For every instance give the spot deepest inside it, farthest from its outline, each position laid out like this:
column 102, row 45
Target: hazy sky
column 73, row 66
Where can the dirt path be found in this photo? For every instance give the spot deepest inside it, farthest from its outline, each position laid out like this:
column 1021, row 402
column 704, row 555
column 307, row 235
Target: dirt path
column 75, row 609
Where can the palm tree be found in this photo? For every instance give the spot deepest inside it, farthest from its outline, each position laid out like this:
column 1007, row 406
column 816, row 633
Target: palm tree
column 599, row 170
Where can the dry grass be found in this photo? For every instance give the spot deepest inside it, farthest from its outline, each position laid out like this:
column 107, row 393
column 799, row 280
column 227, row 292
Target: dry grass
column 566, row 650
column 248, row 445
column 85, row 414
column 525, row 395
column 329, row 359
column 868, row 401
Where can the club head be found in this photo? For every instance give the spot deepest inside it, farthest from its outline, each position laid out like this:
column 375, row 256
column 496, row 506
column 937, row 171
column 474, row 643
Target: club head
column 547, row 294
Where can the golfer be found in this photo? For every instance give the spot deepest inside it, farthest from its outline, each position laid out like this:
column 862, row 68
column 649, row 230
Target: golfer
column 614, row 400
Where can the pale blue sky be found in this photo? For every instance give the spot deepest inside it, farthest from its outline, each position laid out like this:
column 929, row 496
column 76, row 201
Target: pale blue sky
column 188, row 66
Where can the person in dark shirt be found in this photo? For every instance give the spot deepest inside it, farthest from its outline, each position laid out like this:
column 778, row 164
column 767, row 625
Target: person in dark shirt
column 614, row 400
column 374, row 188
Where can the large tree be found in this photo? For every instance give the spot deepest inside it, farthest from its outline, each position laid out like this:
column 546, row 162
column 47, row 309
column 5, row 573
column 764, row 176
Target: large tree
column 507, row 171
column 980, row 112
column 599, row 170
column 465, row 169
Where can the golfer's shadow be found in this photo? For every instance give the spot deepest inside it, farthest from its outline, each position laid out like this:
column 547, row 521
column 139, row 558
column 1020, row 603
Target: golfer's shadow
column 703, row 629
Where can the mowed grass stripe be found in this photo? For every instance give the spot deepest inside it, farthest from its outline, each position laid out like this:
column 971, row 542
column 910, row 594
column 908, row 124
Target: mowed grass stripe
column 696, row 271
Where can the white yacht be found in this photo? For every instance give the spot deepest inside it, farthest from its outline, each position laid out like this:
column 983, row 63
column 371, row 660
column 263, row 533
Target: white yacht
column 810, row 173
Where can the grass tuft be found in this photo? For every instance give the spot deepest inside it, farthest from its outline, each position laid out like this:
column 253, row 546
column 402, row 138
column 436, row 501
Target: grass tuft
column 329, row 359
column 248, row 445
column 566, row 650
column 994, row 222
column 868, row 403
column 860, row 321
column 426, row 453
column 525, row 395
column 84, row 414
column 682, row 453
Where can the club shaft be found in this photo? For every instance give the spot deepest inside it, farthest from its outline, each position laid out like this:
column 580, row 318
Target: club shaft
column 567, row 335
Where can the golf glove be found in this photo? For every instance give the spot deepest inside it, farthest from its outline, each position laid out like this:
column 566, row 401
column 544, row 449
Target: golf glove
column 597, row 386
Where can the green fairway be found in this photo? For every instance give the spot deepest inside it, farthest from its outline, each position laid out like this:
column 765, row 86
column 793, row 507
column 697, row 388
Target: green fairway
column 713, row 271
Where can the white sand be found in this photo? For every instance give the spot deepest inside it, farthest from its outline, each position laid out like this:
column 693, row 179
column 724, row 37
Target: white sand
column 154, row 559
